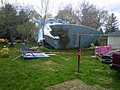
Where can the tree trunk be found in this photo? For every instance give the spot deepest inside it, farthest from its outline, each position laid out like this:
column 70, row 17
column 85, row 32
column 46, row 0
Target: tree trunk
column 11, row 39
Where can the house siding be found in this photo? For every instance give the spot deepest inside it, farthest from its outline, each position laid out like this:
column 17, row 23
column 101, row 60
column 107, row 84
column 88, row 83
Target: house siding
column 114, row 42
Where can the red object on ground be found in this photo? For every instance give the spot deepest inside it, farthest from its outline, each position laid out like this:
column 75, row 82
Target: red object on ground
column 100, row 50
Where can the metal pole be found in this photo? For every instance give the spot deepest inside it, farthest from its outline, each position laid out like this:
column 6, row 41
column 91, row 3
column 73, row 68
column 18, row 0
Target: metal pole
column 79, row 53
column 78, row 61
column 79, row 40
column 16, row 57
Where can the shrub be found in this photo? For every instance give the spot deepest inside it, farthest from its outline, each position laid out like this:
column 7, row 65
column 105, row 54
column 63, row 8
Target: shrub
column 63, row 34
column 4, row 52
column 2, row 40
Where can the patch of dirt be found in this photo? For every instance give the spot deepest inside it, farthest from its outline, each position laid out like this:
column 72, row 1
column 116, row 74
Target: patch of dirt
column 63, row 58
column 49, row 65
column 75, row 85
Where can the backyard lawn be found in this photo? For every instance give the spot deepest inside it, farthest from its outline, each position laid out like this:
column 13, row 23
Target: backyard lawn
column 59, row 69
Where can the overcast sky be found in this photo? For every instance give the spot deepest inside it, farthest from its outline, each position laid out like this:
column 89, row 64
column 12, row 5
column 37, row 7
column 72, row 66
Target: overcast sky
column 112, row 6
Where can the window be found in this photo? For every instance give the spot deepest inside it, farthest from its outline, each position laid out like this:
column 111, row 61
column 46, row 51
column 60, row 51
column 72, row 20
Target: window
column 110, row 40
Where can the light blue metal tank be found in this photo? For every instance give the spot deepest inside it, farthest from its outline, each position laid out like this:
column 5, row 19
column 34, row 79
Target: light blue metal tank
column 79, row 35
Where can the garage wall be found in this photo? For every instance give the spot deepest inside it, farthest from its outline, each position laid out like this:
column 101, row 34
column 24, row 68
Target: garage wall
column 114, row 42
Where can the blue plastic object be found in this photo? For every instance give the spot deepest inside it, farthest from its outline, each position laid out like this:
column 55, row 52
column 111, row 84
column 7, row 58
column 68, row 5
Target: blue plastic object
column 27, row 54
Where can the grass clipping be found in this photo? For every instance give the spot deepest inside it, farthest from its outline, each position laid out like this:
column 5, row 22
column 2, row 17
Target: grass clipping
column 74, row 85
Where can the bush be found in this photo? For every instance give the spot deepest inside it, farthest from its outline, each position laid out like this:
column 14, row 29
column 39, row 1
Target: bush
column 4, row 52
column 63, row 34
column 2, row 40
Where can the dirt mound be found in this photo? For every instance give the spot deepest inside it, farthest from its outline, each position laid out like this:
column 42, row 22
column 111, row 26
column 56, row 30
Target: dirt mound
column 75, row 85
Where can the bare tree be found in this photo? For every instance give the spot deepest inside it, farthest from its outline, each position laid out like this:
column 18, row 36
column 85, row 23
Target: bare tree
column 67, row 14
column 90, row 16
column 102, row 17
column 85, row 14
column 43, row 12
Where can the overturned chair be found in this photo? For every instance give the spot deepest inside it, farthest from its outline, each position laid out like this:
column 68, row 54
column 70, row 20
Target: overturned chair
column 116, row 62
column 27, row 54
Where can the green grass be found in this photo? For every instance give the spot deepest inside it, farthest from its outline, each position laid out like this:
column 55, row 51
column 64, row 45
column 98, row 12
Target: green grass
column 37, row 74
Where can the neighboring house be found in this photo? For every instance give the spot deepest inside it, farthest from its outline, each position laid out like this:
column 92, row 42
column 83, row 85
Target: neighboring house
column 114, row 40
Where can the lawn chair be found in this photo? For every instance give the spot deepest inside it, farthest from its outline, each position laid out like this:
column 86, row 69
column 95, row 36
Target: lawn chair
column 116, row 62
column 27, row 54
